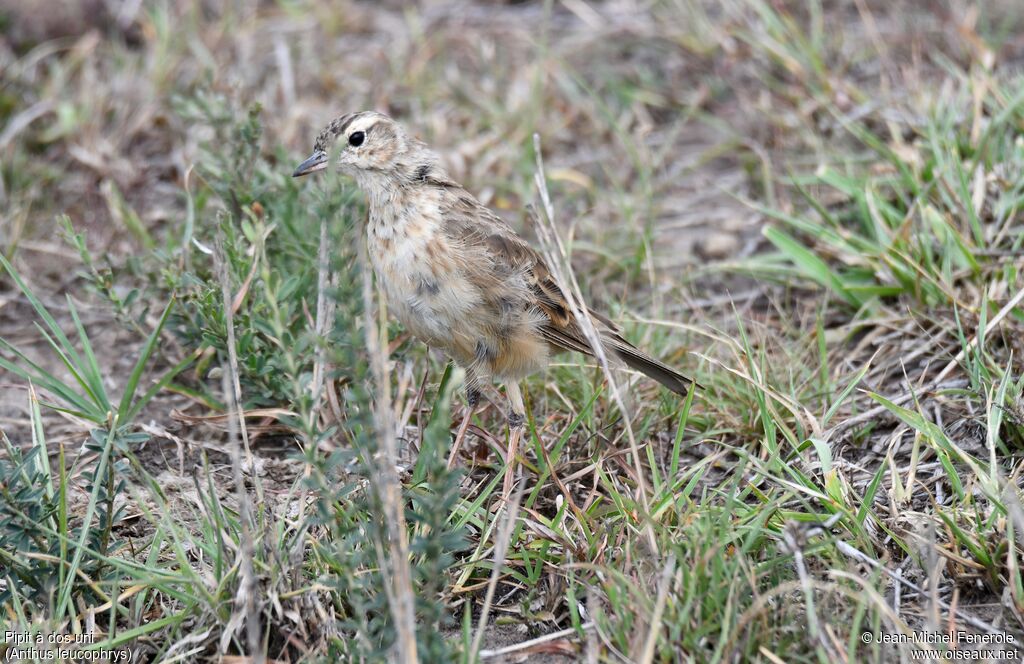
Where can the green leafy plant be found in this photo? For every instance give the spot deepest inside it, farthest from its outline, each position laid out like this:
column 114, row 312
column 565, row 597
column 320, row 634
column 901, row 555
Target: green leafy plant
column 84, row 396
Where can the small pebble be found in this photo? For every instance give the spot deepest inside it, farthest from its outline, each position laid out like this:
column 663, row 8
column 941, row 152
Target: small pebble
column 717, row 245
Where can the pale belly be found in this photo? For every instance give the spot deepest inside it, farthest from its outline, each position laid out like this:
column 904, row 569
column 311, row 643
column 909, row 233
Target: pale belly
column 439, row 312
column 432, row 299
column 445, row 311
column 429, row 287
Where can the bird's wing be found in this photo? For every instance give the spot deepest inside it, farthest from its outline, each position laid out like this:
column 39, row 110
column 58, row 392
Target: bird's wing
column 484, row 234
column 560, row 328
column 480, row 232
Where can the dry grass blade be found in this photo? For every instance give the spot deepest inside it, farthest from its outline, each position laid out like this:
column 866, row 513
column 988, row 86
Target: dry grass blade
column 19, row 122
column 990, row 327
column 222, row 421
column 588, row 627
column 401, row 598
column 664, row 582
column 936, row 383
column 245, row 609
column 558, row 262
column 792, row 537
column 510, row 513
column 967, row 618
column 324, row 315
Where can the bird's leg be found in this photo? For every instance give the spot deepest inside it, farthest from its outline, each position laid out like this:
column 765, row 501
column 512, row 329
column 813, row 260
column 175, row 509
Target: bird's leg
column 516, row 419
column 472, row 400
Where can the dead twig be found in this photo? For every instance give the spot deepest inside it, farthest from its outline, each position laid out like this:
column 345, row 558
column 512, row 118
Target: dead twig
column 245, row 597
column 526, row 645
column 854, row 553
column 500, row 549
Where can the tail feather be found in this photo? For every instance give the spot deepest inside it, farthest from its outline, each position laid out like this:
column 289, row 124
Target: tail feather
column 647, row 365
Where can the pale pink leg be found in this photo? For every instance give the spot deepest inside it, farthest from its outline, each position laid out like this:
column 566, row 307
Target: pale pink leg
column 516, row 420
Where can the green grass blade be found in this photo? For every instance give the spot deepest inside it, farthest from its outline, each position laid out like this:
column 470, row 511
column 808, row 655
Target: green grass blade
column 41, row 311
column 810, row 265
column 90, row 369
column 125, row 406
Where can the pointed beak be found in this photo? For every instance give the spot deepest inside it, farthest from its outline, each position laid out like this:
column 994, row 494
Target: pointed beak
column 317, row 162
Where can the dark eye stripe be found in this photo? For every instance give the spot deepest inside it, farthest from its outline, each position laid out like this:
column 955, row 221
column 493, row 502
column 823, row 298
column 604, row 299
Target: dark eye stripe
column 346, row 121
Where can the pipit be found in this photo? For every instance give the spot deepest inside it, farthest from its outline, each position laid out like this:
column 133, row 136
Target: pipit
column 456, row 275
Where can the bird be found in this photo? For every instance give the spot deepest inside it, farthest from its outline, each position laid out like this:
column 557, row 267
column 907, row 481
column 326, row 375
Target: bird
column 456, row 275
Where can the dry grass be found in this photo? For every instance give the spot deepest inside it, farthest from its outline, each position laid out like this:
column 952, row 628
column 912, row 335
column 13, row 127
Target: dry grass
column 813, row 207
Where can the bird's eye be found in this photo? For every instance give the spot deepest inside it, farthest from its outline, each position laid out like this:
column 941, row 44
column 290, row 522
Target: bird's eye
column 356, row 139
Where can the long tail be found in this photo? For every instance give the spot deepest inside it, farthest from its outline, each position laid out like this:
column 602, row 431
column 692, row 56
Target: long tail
column 645, row 364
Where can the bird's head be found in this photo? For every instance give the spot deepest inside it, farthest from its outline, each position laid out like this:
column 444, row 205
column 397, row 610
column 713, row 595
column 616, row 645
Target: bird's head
column 363, row 144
